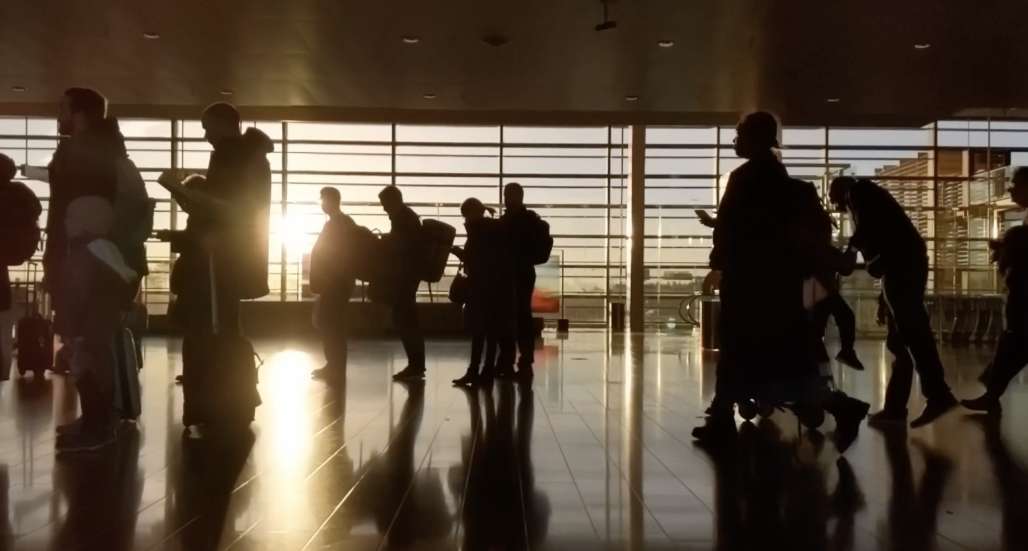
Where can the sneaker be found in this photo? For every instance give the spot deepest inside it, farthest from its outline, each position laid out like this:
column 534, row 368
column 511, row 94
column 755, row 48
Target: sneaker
column 70, row 428
column 933, row 410
column 847, row 422
column 985, row 403
column 84, row 442
column 410, row 373
column 888, row 419
column 848, row 357
column 716, row 431
column 470, row 378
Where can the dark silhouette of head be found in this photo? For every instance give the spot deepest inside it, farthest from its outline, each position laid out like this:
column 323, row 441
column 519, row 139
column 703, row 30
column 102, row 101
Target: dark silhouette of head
column 330, row 200
column 220, row 122
column 839, row 190
column 756, row 135
column 1019, row 187
column 473, row 209
column 79, row 109
column 8, row 170
column 391, row 198
column 513, row 196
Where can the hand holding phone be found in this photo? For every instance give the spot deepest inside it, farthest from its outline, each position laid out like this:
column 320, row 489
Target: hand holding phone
column 705, row 218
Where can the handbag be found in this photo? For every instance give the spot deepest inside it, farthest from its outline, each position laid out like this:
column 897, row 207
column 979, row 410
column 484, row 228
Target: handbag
column 460, row 287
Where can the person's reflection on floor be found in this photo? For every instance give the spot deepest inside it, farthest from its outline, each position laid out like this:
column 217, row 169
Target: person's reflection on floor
column 501, row 506
column 206, row 482
column 6, row 531
column 765, row 491
column 1012, row 480
column 103, row 494
column 913, row 512
column 406, row 503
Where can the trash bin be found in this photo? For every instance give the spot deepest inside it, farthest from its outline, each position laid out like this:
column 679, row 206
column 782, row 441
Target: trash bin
column 710, row 322
column 617, row 316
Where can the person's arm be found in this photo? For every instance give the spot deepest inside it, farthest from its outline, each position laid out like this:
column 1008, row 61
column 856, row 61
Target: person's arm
column 723, row 223
column 705, row 218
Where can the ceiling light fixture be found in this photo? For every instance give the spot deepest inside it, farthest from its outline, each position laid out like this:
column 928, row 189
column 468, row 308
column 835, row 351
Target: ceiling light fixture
column 411, row 39
column 429, row 96
column 833, row 100
column 495, row 40
column 922, row 46
column 631, row 98
column 226, row 92
column 151, row 35
column 18, row 89
column 665, row 43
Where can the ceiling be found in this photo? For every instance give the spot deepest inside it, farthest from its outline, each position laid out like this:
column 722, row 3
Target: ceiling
column 346, row 59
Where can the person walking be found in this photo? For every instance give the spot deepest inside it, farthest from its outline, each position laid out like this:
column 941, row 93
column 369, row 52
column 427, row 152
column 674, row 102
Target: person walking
column 896, row 253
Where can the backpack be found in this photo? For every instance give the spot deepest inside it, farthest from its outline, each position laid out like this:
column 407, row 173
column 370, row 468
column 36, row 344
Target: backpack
column 438, row 241
column 133, row 215
column 541, row 242
column 19, row 224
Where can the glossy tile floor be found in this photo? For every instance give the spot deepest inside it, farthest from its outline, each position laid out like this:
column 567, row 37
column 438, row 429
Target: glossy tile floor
column 597, row 456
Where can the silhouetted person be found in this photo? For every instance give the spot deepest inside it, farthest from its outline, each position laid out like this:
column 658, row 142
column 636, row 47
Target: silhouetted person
column 764, row 249
column 93, row 303
column 489, row 312
column 522, row 226
column 82, row 165
column 333, row 280
column 832, row 306
column 226, row 247
column 1011, row 254
column 19, row 214
column 896, row 253
column 404, row 240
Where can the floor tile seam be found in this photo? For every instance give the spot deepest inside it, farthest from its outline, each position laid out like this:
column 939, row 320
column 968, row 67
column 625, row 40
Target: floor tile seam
column 567, row 465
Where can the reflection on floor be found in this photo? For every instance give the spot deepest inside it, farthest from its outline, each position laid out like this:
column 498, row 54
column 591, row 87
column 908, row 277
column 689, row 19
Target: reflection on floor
column 597, row 455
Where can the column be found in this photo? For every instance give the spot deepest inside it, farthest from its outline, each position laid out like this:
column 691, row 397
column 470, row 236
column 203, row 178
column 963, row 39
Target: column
column 637, row 230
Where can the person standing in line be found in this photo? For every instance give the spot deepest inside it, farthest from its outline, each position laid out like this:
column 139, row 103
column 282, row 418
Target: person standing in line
column 83, row 165
column 489, row 311
column 229, row 242
column 19, row 233
column 333, row 280
column 404, row 238
column 1011, row 254
column 522, row 226
column 896, row 253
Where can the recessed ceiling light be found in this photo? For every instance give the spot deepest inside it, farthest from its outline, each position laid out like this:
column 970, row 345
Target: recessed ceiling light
column 833, row 100
column 631, row 98
column 429, row 96
column 151, row 35
column 922, row 46
column 495, row 40
column 18, row 89
column 226, row 92
column 665, row 43
column 411, row 39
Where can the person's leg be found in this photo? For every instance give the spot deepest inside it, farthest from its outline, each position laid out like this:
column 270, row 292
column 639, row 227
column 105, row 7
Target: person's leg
column 525, row 325
column 846, row 322
column 333, row 333
column 1010, row 357
column 905, row 295
column 405, row 319
column 470, row 376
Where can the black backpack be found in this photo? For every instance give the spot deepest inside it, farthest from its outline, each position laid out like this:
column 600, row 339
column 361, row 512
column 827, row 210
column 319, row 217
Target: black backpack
column 541, row 243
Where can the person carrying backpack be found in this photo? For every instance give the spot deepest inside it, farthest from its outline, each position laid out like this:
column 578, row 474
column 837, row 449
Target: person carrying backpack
column 19, row 238
column 531, row 244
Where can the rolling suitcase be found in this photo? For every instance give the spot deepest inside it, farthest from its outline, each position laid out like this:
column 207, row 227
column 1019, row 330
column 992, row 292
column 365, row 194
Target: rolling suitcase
column 127, row 390
column 34, row 338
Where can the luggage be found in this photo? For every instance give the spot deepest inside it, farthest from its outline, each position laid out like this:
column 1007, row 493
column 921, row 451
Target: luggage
column 541, row 242
column 127, row 390
column 223, row 390
column 34, row 338
column 460, row 288
column 438, row 242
